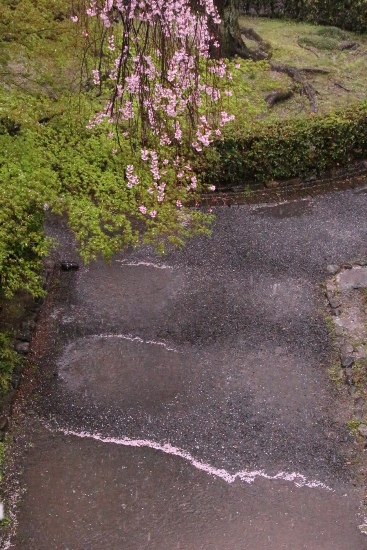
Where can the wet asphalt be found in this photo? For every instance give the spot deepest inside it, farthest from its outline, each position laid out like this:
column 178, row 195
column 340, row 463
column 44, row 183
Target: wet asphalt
column 220, row 352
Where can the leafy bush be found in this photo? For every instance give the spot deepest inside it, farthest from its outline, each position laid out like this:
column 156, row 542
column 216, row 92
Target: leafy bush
column 27, row 183
column 287, row 149
column 9, row 359
column 347, row 14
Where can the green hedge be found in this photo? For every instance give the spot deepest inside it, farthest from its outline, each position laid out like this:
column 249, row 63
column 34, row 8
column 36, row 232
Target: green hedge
column 286, row 149
column 347, row 14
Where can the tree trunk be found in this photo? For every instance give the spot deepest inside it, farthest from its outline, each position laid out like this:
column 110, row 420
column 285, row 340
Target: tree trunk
column 230, row 32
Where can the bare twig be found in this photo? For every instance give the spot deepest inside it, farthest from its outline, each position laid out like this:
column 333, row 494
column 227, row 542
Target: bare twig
column 339, row 85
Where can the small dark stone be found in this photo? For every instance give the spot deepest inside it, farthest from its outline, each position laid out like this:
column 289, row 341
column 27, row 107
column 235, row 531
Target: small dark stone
column 332, row 269
column 2, row 436
column 336, row 312
column 22, row 347
column 18, row 369
column 69, row 266
column 24, row 336
column 4, row 423
column 349, row 380
column 346, row 361
column 15, row 381
column 347, row 266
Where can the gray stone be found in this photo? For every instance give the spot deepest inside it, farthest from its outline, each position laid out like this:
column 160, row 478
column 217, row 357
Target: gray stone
column 353, row 390
column 22, row 347
column 339, row 331
column 362, row 429
column 346, row 349
column 353, row 278
column 348, row 371
column 332, row 269
column 360, row 402
column 336, row 312
column 347, row 361
column 335, row 302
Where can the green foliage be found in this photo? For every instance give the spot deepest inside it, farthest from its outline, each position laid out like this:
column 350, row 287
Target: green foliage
column 347, row 14
column 285, row 149
column 332, row 32
column 27, row 183
column 9, row 359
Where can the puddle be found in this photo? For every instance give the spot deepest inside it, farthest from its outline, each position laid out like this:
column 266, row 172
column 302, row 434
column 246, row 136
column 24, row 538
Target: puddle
column 123, row 371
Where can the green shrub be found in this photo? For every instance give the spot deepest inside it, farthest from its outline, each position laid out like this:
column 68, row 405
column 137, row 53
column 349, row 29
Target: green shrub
column 319, row 42
column 332, row 32
column 9, row 359
column 27, row 183
column 347, row 14
column 287, row 149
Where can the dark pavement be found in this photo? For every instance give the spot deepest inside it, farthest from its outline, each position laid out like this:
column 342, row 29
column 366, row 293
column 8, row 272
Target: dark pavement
column 176, row 373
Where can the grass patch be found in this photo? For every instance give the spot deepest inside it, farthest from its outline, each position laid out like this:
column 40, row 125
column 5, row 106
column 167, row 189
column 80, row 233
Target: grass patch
column 345, row 83
column 353, row 426
column 319, row 42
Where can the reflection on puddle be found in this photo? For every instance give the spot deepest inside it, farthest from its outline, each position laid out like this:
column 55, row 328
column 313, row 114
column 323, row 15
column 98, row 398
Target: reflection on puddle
column 291, row 209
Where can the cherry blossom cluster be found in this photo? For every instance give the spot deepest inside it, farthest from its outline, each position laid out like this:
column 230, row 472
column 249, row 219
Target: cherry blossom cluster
column 162, row 87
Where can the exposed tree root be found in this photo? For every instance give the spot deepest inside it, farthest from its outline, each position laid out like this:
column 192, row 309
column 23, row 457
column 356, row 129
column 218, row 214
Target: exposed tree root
column 297, row 76
column 265, row 52
column 238, row 47
column 313, row 70
column 264, row 47
column 279, row 96
column 339, row 85
column 348, row 45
